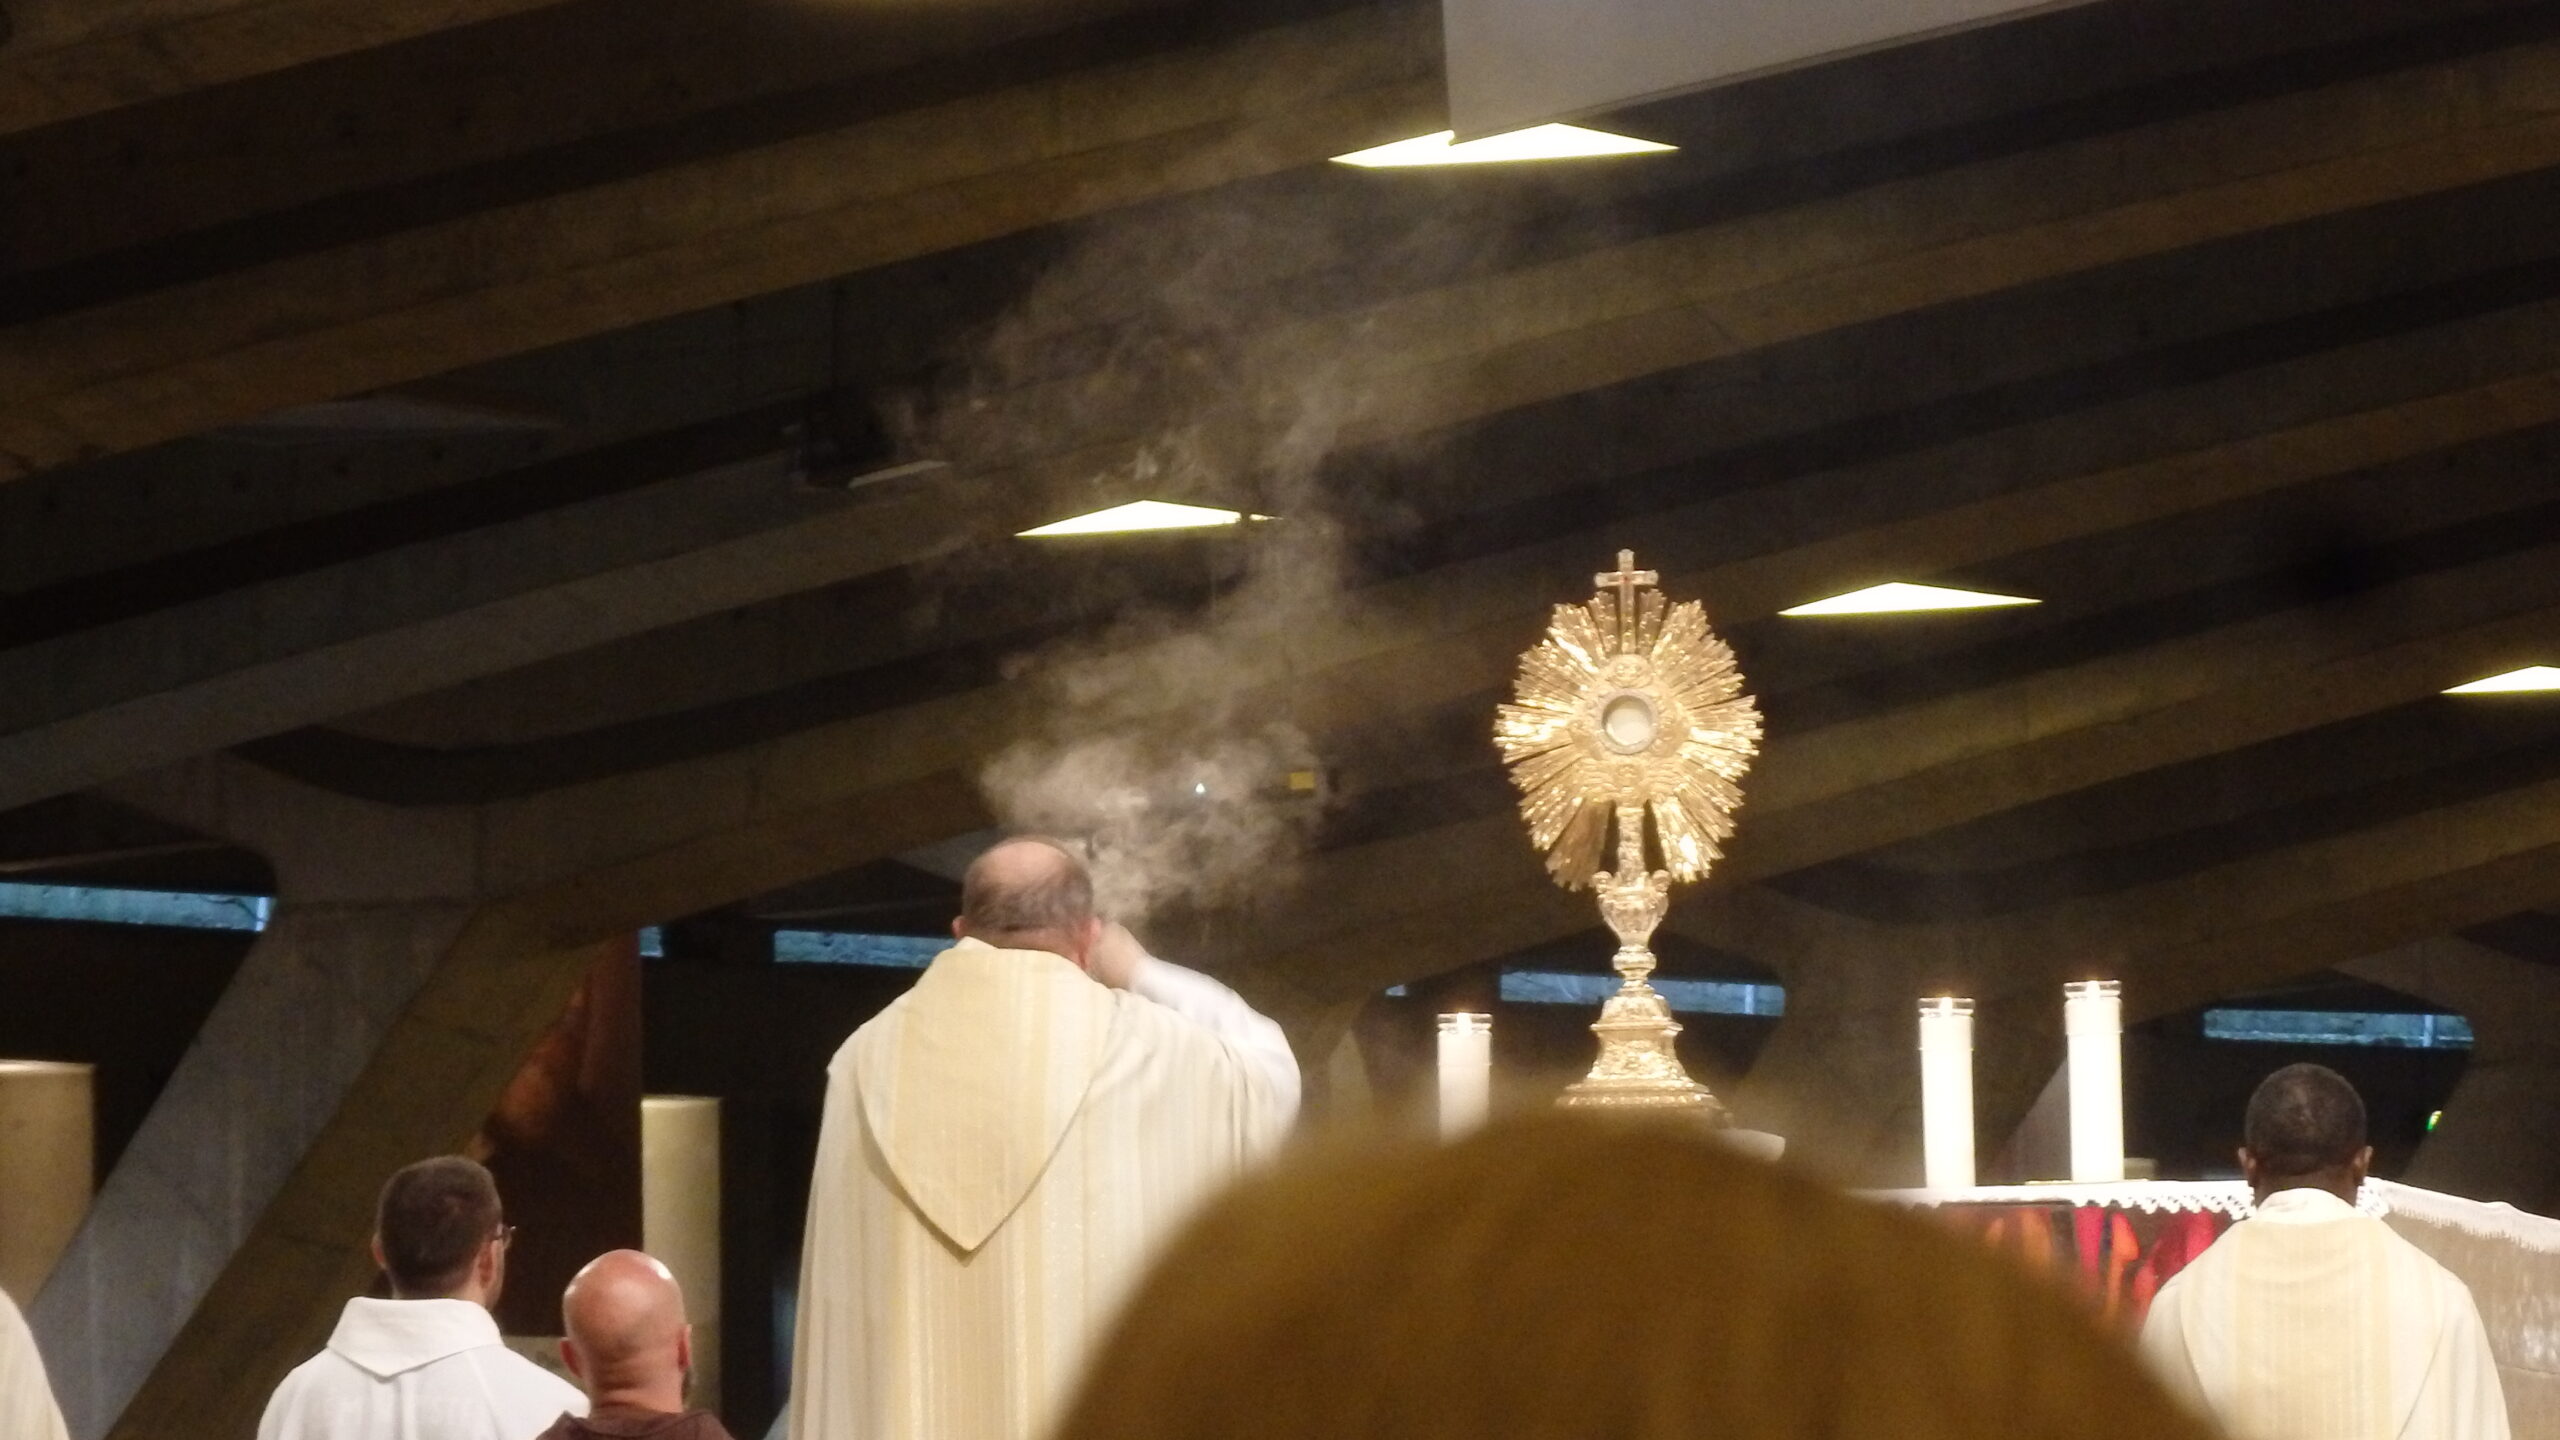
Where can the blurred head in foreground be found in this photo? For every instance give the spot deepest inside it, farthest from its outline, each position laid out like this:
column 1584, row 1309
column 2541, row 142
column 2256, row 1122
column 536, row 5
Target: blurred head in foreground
column 1574, row 1278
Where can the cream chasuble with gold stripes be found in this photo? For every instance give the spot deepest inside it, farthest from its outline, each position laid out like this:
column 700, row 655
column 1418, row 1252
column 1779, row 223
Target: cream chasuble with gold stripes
column 27, row 1411
column 1004, row 1148
column 2310, row 1321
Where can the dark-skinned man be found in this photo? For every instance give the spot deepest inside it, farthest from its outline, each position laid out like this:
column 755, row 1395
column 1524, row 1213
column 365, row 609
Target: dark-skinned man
column 2311, row 1320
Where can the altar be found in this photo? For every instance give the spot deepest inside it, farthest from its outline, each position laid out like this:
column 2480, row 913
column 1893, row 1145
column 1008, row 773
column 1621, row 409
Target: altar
column 1629, row 722
column 2120, row 1242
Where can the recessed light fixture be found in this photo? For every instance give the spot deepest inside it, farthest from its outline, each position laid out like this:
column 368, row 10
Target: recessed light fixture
column 2531, row 677
column 1901, row 598
column 1144, row 515
column 1538, row 142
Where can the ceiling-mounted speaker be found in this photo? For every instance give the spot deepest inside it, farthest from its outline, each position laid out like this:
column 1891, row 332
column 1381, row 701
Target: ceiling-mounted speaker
column 845, row 445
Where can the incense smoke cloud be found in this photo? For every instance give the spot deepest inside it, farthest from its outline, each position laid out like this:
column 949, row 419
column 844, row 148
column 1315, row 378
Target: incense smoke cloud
column 1168, row 742
column 1152, row 750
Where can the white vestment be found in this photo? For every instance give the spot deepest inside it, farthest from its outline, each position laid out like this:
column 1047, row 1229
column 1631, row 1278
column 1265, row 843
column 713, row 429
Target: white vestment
column 27, row 1411
column 1005, row 1147
column 2311, row 1321
column 417, row 1370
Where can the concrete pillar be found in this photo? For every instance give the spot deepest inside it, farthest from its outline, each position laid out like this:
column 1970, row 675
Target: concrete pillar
column 1840, row 1079
column 680, row 1217
column 369, row 902
column 2496, row 1142
column 47, row 1161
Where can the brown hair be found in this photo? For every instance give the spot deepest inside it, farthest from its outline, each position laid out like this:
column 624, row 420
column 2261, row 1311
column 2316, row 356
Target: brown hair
column 432, row 1220
column 1572, row 1278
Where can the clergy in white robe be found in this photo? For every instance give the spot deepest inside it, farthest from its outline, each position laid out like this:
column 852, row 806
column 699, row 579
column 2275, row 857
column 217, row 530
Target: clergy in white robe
column 427, row 1364
column 27, row 1411
column 2310, row 1320
column 1004, row 1149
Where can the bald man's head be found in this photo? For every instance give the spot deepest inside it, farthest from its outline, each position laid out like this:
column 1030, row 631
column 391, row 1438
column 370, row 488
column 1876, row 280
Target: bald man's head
column 627, row 1334
column 1029, row 893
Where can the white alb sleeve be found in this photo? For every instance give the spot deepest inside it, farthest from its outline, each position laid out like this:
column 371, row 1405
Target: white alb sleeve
column 1255, row 1038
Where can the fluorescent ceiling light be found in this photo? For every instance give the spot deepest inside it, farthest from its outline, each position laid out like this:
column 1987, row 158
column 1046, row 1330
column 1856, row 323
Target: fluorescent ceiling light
column 1538, row 142
column 2531, row 677
column 1144, row 515
column 1898, row 597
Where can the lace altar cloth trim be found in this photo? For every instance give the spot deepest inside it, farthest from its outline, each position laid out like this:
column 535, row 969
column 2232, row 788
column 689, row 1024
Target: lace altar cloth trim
column 2498, row 1221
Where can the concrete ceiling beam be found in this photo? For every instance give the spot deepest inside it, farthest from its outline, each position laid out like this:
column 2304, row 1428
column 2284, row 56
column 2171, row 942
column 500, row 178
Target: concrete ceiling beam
column 1408, row 646
column 1446, row 356
column 130, row 373
column 97, row 704
column 2144, row 460
column 70, row 58
column 2486, row 1146
column 1852, row 787
column 437, row 124
column 547, row 271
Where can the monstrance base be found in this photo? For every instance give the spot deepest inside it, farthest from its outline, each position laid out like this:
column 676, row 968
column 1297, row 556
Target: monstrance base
column 1618, row 1094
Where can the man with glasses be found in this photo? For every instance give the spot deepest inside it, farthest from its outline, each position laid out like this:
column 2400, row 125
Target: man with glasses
column 426, row 1364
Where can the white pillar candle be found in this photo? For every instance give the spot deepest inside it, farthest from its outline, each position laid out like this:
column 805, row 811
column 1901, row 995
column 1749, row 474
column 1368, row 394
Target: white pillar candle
column 2093, row 1025
column 1466, row 1072
column 47, row 1129
column 1946, row 1092
column 680, row 1217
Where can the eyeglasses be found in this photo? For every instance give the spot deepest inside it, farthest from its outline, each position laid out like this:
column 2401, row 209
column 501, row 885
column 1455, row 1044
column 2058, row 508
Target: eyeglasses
column 506, row 1237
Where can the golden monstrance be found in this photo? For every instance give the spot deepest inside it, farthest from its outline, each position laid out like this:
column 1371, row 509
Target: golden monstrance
column 1631, row 707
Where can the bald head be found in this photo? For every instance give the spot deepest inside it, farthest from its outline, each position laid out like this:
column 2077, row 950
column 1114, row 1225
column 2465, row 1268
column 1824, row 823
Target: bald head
column 627, row 1334
column 1028, row 893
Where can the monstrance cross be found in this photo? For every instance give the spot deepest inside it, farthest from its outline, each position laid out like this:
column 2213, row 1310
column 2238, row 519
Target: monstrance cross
column 1628, row 579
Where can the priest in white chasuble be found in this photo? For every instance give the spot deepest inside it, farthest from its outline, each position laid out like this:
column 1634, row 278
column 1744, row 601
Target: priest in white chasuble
column 27, row 1411
column 2310, row 1320
column 1004, row 1149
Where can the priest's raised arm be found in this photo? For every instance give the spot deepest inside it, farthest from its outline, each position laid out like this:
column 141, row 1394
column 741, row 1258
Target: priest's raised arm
column 1004, row 1148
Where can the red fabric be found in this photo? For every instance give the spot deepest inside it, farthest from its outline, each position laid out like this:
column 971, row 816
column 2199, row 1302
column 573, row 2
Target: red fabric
column 2118, row 1258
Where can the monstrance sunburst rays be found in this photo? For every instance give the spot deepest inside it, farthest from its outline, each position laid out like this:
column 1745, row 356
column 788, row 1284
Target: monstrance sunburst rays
column 1628, row 701
column 1631, row 706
